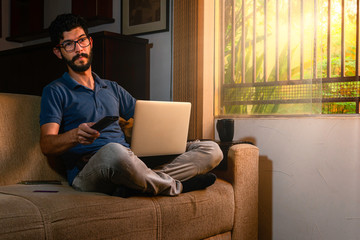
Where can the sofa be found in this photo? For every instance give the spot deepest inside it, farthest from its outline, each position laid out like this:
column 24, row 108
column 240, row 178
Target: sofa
column 226, row 210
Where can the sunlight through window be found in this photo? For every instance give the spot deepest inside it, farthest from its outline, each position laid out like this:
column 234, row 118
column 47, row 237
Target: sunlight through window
column 282, row 57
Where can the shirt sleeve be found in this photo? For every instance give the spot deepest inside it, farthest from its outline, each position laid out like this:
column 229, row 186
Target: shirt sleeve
column 51, row 107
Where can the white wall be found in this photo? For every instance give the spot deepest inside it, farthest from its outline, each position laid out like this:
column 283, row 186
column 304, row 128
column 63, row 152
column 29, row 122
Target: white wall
column 160, row 54
column 309, row 176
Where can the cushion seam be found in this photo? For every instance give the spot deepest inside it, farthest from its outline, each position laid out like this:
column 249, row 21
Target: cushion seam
column 158, row 217
column 38, row 209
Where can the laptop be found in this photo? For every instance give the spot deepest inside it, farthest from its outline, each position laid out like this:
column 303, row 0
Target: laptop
column 160, row 128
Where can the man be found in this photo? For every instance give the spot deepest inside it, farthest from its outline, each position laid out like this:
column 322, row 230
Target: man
column 103, row 162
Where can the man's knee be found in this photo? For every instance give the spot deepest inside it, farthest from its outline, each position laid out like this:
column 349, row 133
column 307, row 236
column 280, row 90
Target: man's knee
column 215, row 153
column 212, row 152
column 115, row 155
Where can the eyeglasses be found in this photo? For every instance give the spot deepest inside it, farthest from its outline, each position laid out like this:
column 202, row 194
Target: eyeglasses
column 70, row 46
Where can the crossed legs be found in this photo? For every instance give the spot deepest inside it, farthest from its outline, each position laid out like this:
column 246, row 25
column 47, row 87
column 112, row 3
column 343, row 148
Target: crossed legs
column 115, row 165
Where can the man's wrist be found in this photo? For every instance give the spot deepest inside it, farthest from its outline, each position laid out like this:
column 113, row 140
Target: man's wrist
column 75, row 136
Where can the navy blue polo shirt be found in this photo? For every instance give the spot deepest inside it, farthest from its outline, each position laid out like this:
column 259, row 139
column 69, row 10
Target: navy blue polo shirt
column 68, row 103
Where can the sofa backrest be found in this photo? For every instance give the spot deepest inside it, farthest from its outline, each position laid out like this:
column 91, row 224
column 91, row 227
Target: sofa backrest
column 20, row 154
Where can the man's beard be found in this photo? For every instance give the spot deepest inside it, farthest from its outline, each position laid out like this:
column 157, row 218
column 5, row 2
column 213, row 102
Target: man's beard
column 79, row 68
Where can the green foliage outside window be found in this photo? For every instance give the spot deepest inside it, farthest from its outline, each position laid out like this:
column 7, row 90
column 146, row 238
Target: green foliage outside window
column 273, row 88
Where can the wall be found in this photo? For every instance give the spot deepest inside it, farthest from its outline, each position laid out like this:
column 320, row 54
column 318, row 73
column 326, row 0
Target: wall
column 309, row 176
column 160, row 54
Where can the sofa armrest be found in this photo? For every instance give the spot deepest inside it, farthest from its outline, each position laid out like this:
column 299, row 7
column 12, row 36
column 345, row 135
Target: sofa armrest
column 243, row 173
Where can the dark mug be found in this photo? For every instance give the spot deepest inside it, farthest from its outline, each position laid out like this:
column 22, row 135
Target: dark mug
column 225, row 128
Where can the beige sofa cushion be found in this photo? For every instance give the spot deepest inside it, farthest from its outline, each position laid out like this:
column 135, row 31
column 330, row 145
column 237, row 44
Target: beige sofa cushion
column 69, row 214
column 19, row 218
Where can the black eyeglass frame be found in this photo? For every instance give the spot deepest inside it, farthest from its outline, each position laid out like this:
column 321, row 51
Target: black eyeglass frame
column 61, row 45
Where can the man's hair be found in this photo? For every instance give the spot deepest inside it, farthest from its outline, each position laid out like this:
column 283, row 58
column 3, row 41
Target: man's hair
column 64, row 23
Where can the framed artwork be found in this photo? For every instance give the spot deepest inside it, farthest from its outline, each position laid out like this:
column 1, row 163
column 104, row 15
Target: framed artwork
column 144, row 16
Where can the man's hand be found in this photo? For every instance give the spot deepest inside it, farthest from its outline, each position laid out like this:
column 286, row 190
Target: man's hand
column 85, row 134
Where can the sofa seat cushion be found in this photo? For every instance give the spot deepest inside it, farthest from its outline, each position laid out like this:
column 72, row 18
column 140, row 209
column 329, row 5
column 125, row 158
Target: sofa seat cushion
column 19, row 218
column 69, row 214
column 198, row 214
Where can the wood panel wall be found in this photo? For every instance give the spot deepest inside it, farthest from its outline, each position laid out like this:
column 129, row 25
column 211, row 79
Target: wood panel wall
column 124, row 59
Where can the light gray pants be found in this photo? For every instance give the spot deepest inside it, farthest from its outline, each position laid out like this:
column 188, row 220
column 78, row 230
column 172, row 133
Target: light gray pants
column 115, row 165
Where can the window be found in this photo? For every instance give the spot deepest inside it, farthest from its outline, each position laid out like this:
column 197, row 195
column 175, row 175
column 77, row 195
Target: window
column 283, row 57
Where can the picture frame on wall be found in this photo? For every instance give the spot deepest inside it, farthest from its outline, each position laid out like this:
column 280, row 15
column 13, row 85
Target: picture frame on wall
column 144, row 16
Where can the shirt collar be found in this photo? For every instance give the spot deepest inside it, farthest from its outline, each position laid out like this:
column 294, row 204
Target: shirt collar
column 72, row 84
column 99, row 81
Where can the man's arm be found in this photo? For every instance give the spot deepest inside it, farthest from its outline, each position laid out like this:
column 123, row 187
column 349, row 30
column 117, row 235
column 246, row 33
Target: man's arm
column 53, row 144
